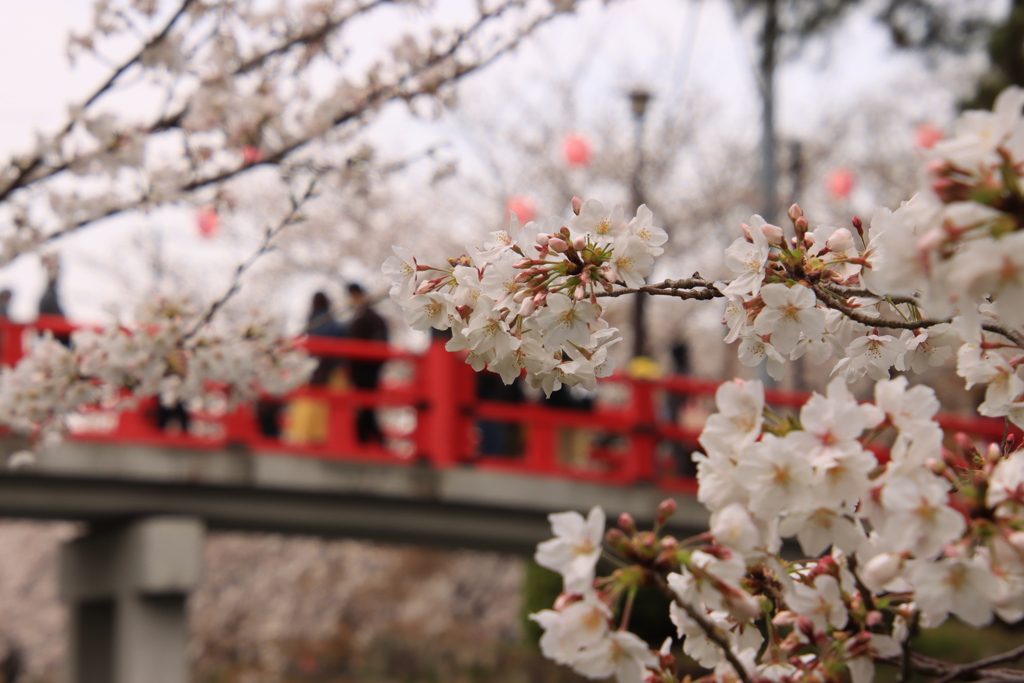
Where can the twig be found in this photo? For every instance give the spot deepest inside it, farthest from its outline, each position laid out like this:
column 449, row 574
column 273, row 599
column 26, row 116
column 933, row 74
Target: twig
column 830, row 299
column 381, row 95
column 710, row 630
column 1008, row 656
column 861, row 292
column 865, row 592
column 31, row 166
column 688, row 288
column 268, row 237
column 905, row 667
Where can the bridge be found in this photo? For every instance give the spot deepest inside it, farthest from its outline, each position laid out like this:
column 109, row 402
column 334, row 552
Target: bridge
column 440, row 478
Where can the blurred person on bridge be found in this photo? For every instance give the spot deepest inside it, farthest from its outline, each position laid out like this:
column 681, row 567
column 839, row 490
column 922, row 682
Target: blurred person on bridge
column 366, row 323
column 308, row 416
column 49, row 304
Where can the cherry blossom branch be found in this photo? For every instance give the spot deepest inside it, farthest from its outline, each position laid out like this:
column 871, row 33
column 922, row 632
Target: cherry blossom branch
column 847, row 292
column 383, row 94
column 831, row 300
column 31, row 165
column 964, row 669
column 271, row 232
column 905, row 668
column 865, row 592
column 710, row 630
column 317, row 34
column 688, row 288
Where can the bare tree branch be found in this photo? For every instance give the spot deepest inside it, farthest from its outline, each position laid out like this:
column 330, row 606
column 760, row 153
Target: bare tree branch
column 26, row 170
column 269, row 234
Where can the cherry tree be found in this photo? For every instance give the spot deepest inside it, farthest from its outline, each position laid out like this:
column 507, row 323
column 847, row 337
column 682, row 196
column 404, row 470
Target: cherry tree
column 892, row 545
column 198, row 96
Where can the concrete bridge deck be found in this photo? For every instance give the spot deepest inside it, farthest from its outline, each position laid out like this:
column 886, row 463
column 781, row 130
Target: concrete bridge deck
column 464, row 507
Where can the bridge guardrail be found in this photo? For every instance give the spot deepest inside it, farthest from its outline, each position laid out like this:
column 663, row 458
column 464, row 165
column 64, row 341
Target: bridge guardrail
column 636, row 438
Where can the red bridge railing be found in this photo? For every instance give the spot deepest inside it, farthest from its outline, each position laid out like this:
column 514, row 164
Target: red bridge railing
column 635, row 431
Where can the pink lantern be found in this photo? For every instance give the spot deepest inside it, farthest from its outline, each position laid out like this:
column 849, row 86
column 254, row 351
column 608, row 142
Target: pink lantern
column 522, row 207
column 207, row 221
column 839, row 183
column 251, row 154
column 926, row 135
column 576, row 149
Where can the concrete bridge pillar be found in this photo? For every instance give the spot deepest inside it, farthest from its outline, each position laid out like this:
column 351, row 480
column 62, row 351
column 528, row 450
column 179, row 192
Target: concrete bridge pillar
column 126, row 586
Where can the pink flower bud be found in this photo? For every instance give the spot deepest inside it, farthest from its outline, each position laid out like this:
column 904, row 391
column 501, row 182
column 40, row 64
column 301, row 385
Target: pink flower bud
column 527, row 307
column 425, row 286
column 874, row 618
column 627, row 523
column 542, row 239
column 784, row 618
column 881, row 569
column 577, row 205
column 580, row 293
column 806, row 626
column 746, row 232
column 773, row 234
column 524, row 276
column 841, row 240
column 795, row 212
column 566, row 599
column 520, row 295
column 558, row 245
column 541, row 299
column 666, row 509
column 741, row 605
column 579, row 243
column 616, row 540
column 522, row 263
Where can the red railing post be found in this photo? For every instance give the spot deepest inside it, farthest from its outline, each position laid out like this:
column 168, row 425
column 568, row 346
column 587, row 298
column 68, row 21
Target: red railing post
column 10, row 342
column 444, row 421
column 341, row 424
column 240, row 425
column 643, row 437
column 540, row 445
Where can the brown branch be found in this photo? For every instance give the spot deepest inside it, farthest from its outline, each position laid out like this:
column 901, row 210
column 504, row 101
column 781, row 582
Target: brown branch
column 831, row 300
column 905, row 663
column 861, row 292
column 687, row 288
column 320, row 33
column 710, row 630
column 964, row 669
column 380, row 96
column 25, row 171
column 865, row 592
column 269, row 234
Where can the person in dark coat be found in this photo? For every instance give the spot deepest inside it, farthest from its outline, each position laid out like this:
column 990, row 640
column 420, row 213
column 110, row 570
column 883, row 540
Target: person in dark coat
column 366, row 324
column 49, row 304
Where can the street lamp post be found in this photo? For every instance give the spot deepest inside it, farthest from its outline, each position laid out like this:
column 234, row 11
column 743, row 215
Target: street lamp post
column 639, row 99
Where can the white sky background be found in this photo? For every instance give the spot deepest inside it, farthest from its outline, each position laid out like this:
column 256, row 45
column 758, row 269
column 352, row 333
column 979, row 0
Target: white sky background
column 653, row 42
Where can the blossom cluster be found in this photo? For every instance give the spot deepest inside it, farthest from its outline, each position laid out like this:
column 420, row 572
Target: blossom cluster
column 528, row 300
column 940, row 276
column 165, row 353
column 226, row 87
column 900, row 542
column 923, row 535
